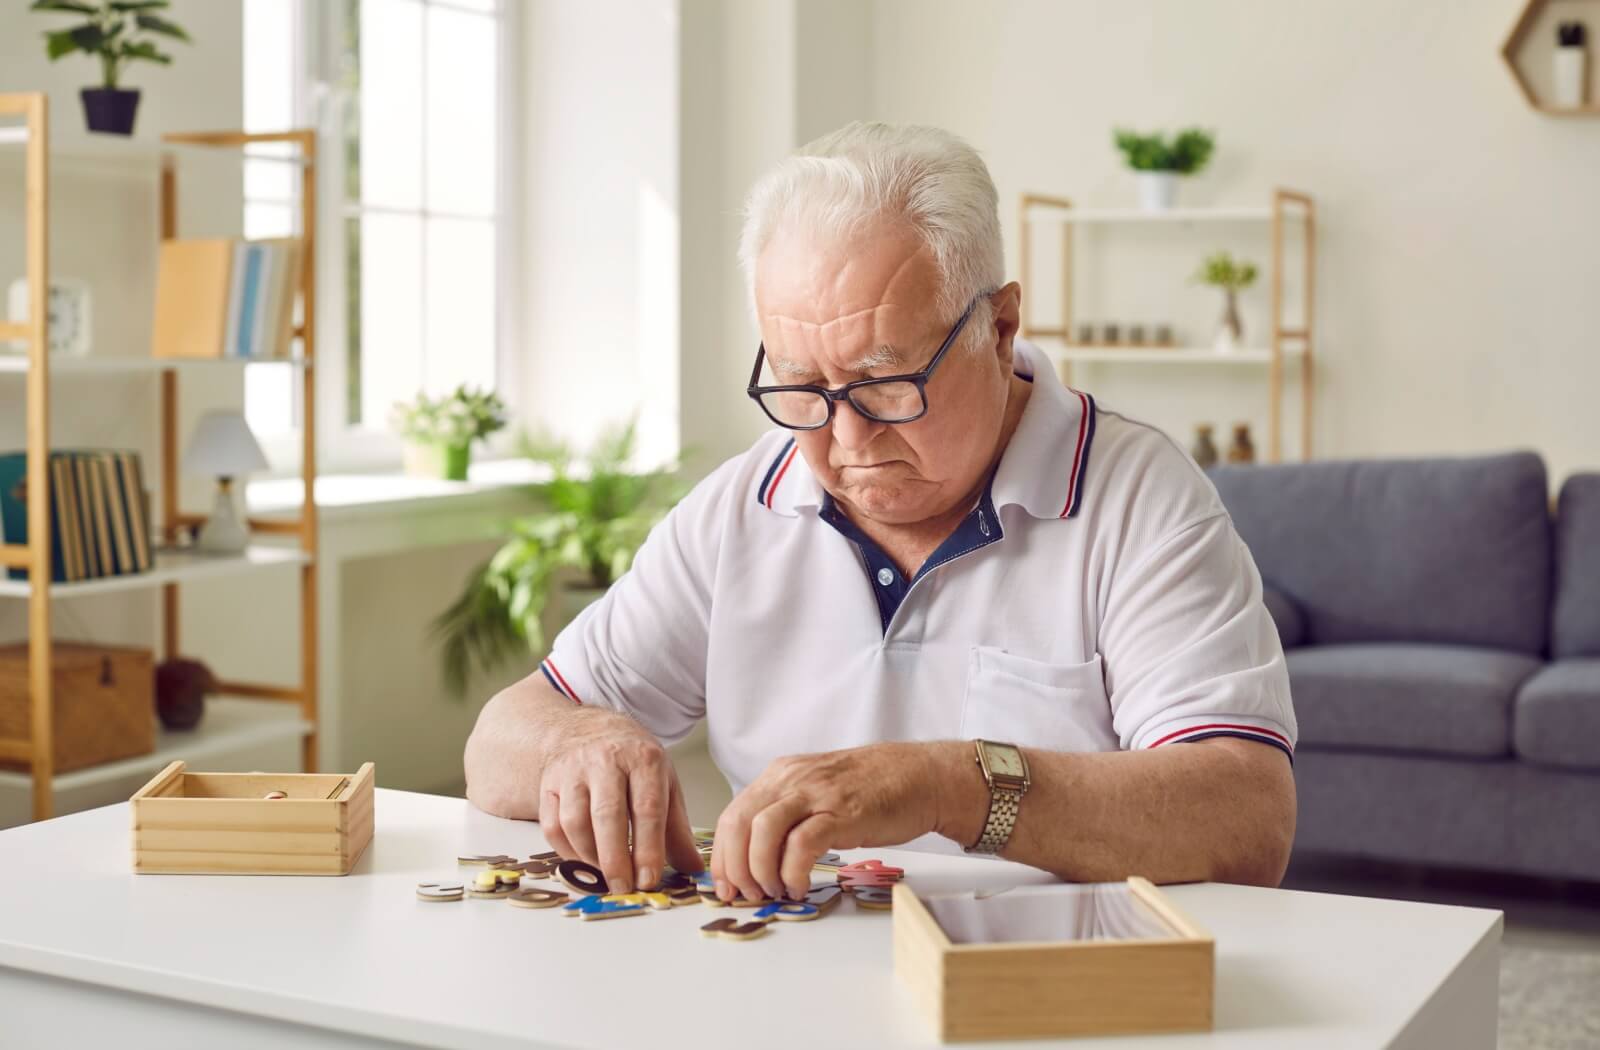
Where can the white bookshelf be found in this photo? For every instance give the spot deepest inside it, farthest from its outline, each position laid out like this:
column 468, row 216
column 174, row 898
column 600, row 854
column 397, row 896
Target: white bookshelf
column 1224, row 213
column 1290, row 340
column 171, row 566
column 1061, row 352
column 231, row 724
column 65, row 364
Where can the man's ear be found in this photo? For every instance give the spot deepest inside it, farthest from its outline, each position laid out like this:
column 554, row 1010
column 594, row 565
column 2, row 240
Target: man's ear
column 1007, row 307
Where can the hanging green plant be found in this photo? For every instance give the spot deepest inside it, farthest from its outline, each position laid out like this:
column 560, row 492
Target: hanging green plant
column 599, row 513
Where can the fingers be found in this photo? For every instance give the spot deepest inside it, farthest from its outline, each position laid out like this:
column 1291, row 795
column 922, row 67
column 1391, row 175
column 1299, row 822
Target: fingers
column 649, row 795
column 575, row 823
column 550, row 823
column 769, row 833
column 730, row 856
column 608, row 811
column 806, row 841
column 681, row 849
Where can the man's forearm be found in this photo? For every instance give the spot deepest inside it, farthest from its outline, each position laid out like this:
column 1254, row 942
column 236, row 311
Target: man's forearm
column 1219, row 810
column 505, row 754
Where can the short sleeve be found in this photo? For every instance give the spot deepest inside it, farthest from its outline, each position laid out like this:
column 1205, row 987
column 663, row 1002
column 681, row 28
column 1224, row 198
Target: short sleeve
column 641, row 648
column 1190, row 649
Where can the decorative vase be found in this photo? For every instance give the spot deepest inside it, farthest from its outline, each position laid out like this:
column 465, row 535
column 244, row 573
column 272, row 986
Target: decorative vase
column 109, row 110
column 1570, row 66
column 181, row 689
column 1230, row 332
column 437, row 460
column 1205, row 450
column 1158, row 190
column 1243, row 450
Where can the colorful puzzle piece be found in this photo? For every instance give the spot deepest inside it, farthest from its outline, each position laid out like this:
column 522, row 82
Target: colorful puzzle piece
column 865, row 873
column 593, row 907
column 582, row 878
column 733, row 930
column 874, row 897
column 788, row 911
column 536, row 898
column 439, row 891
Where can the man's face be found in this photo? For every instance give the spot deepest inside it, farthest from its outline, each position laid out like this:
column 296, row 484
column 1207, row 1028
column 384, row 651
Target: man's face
column 836, row 311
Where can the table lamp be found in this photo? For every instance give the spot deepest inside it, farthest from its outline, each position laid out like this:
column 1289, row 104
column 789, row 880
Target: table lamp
column 223, row 447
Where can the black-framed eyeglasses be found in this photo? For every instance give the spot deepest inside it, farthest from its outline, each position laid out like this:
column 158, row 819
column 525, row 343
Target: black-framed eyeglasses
column 890, row 399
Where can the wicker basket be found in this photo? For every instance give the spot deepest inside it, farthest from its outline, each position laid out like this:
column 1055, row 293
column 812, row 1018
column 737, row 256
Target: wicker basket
column 103, row 698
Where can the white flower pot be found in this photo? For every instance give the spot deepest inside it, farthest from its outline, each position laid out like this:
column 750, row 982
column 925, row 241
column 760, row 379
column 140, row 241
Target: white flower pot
column 1158, row 190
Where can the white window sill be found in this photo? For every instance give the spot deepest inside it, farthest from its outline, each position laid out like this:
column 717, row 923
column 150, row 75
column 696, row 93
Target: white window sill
column 357, row 495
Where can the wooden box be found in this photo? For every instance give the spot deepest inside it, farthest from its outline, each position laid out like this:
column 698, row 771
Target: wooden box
column 1159, row 980
column 103, row 702
column 222, row 823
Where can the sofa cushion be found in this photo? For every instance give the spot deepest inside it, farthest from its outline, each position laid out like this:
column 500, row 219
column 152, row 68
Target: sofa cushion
column 1575, row 621
column 1556, row 718
column 1445, row 551
column 1443, row 699
column 1285, row 616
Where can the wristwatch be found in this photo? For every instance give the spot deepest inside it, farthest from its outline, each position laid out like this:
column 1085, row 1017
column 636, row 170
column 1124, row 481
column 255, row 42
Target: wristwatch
column 1005, row 768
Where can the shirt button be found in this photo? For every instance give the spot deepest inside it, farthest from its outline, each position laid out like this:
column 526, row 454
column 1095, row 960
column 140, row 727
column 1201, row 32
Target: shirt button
column 885, row 577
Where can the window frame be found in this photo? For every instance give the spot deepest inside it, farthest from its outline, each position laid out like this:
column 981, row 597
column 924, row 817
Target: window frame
column 355, row 448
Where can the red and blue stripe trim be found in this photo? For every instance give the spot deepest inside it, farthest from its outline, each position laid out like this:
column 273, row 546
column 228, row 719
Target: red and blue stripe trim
column 1080, row 453
column 1215, row 729
column 775, row 473
column 559, row 680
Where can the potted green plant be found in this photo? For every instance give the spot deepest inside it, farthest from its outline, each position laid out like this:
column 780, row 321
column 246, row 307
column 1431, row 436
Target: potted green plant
column 1159, row 161
column 1221, row 270
column 599, row 514
column 114, row 31
column 439, row 432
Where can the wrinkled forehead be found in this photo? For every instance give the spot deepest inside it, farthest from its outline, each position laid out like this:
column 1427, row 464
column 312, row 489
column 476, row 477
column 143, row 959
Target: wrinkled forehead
column 843, row 299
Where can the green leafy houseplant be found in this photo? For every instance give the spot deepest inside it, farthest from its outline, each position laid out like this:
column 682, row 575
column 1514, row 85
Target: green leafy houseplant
column 117, row 33
column 600, row 513
column 1184, row 153
column 446, row 427
column 1221, row 270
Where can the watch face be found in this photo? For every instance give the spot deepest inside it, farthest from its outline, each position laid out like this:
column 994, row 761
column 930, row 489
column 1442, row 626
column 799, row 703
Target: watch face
column 1004, row 761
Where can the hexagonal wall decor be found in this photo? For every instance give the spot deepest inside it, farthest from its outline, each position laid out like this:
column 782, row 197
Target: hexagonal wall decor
column 1530, row 41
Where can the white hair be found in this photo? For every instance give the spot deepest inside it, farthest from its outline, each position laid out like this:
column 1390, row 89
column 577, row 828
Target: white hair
column 865, row 172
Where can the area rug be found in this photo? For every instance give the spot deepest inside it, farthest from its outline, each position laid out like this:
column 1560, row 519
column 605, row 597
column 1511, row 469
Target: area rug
column 1549, row 999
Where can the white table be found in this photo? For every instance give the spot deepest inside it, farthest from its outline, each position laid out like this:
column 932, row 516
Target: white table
column 90, row 952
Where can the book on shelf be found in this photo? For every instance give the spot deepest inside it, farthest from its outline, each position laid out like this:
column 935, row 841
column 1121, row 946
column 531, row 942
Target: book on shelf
column 99, row 523
column 225, row 297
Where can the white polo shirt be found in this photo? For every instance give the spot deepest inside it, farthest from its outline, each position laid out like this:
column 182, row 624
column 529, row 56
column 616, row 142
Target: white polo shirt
column 1096, row 599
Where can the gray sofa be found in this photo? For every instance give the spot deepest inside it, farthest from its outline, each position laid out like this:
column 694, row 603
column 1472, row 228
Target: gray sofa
column 1443, row 640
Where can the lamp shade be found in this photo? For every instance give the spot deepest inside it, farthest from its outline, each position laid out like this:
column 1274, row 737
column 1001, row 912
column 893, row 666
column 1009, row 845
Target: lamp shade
column 223, row 447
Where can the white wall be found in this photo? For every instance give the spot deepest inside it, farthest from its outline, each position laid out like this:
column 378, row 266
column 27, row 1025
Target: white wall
column 597, row 337
column 1458, row 265
column 1456, row 258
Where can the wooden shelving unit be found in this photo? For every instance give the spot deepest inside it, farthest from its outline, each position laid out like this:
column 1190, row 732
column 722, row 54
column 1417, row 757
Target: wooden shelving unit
column 1289, row 341
column 248, row 712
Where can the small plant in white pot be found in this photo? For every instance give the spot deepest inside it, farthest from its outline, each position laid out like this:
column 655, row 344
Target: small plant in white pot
column 440, row 432
column 114, row 32
column 1233, row 276
column 1160, row 161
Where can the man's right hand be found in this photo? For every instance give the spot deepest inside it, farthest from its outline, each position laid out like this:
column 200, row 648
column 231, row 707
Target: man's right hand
column 603, row 771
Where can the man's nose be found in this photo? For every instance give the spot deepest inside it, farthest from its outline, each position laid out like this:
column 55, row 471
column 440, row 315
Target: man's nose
column 851, row 429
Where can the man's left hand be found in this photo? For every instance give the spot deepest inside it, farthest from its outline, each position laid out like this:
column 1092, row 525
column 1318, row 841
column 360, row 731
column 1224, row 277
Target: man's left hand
column 802, row 806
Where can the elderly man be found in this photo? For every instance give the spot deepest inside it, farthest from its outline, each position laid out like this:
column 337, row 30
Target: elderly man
column 947, row 596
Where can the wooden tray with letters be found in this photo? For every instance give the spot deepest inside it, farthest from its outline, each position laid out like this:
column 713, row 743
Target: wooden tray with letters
column 237, row 823
column 1056, row 960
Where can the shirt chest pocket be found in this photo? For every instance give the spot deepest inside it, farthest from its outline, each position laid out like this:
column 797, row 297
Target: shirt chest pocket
column 1054, row 707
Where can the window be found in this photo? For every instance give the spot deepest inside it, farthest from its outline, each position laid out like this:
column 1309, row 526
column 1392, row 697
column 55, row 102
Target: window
column 411, row 211
column 274, row 72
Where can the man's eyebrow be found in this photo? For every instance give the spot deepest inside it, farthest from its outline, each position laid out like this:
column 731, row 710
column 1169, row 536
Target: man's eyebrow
column 879, row 358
